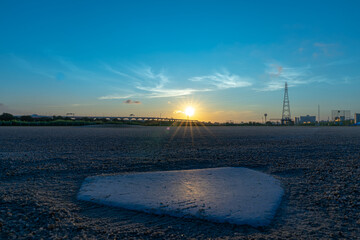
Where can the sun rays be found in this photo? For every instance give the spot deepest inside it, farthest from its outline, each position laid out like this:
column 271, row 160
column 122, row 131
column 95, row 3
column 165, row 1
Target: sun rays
column 194, row 129
column 190, row 110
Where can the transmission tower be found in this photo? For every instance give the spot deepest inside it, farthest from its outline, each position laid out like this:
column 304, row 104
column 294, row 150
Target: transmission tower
column 286, row 115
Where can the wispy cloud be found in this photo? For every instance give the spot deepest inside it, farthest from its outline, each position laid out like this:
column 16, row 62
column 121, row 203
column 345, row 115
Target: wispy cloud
column 278, row 75
column 349, row 80
column 82, row 74
column 129, row 101
column 58, row 68
column 223, row 80
column 30, row 67
column 148, row 83
column 81, row 104
column 340, row 62
column 117, row 72
column 326, row 49
column 178, row 111
column 156, row 84
column 163, row 92
column 114, row 96
column 153, row 84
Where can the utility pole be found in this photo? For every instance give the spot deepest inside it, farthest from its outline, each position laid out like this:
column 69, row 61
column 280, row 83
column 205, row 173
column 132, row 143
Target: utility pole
column 319, row 114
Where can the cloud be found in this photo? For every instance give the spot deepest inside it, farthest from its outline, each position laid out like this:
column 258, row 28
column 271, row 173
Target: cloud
column 164, row 92
column 326, row 49
column 107, row 67
column 129, row 101
column 154, row 85
column 114, row 97
column 340, row 62
column 324, row 45
column 58, row 69
column 278, row 75
column 71, row 71
column 80, row 104
column 277, row 72
column 30, row 66
column 348, row 80
column 151, row 84
column 223, row 80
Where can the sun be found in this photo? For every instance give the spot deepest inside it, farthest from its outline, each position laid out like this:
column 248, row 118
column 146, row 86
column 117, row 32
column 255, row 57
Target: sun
column 189, row 111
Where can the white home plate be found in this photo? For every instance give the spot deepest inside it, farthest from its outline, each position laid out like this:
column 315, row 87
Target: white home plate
column 231, row 194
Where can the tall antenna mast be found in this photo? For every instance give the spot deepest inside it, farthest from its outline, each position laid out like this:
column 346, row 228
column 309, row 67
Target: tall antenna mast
column 286, row 115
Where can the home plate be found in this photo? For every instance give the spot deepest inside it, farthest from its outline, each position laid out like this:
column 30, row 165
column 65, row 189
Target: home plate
column 230, row 194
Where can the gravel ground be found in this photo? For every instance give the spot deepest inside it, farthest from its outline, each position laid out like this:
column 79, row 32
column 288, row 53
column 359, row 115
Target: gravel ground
column 42, row 168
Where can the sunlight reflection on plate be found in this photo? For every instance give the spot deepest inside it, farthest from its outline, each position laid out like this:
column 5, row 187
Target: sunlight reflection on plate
column 231, row 194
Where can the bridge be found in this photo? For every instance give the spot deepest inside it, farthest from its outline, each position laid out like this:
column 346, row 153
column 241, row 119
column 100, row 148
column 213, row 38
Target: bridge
column 133, row 118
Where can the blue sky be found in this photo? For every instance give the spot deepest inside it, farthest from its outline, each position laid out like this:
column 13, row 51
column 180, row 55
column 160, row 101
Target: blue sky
column 229, row 59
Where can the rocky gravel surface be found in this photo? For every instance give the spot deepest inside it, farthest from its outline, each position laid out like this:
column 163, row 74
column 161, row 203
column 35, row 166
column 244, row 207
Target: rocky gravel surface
column 42, row 168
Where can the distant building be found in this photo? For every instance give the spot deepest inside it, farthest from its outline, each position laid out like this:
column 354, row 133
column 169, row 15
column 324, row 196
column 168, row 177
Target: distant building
column 357, row 118
column 340, row 115
column 307, row 119
column 297, row 120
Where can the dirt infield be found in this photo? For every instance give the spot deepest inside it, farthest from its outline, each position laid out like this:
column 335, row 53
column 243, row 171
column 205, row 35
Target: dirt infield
column 42, row 168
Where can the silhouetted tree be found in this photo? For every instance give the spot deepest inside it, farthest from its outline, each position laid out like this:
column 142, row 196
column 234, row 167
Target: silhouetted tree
column 86, row 119
column 7, row 117
column 45, row 119
column 26, row 118
column 58, row 117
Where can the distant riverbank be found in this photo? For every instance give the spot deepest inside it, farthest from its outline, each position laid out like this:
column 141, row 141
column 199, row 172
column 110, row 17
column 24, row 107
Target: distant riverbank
column 148, row 123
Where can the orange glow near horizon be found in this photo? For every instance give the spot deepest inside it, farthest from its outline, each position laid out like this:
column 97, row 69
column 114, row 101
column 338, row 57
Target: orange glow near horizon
column 188, row 108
